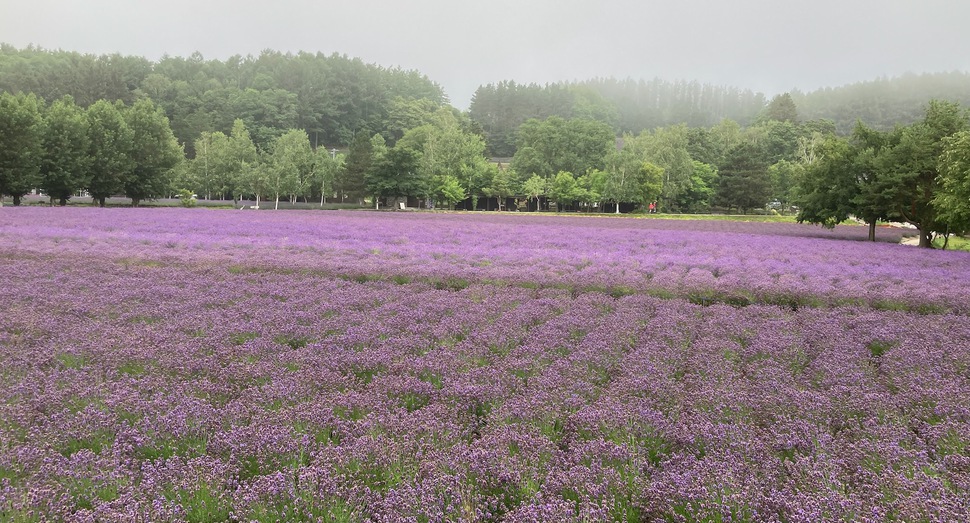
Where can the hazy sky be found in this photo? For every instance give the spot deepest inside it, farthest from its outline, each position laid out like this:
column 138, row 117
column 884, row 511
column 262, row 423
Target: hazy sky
column 765, row 45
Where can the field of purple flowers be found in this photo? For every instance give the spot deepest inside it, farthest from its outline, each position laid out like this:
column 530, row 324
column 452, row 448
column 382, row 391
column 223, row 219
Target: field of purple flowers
column 209, row 366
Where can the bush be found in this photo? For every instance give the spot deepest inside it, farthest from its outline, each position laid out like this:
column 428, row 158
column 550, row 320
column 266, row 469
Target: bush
column 187, row 198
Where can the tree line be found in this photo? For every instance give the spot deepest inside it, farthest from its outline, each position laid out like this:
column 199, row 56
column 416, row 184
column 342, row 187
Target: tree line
column 313, row 127
column 106, row 149
column 330, row 97
column 918, row 174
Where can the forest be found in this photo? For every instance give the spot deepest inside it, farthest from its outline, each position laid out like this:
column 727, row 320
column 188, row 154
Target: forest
column 314, row 127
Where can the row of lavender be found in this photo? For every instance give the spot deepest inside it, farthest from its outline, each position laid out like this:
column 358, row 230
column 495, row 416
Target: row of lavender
column 705, row 261
column 146, row 377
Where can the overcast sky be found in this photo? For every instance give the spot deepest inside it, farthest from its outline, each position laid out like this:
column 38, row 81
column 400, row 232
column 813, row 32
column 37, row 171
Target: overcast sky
column 765, row 45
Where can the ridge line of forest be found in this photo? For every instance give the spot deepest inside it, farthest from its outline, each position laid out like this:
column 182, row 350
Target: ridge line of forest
column 332, row 97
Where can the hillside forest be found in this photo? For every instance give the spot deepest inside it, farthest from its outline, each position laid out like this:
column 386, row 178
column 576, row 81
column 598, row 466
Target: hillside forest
column 330, row 128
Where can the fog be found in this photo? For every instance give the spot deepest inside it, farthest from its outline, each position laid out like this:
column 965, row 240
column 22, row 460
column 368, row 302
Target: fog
column 765, row 45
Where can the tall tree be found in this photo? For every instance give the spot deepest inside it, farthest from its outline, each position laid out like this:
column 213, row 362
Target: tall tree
column 952, row 201
column 666, row 148
column 564, row 190
column 782, row 109
column 534, row 188
column 290, row 164
column 397, row 175
column 110, row 152
column 326, row 170
column 255, row 179
column 911, row 179
column 631, row 178
column 359, row 161
column 446, row 148
column 743, row 181
column 501, row 185
column 828, row 187
column 210, row 163
column 66, row 163
column 153, row 151
column 555, row 144
column 21, row 144
column 241, row 153
column 448, row 190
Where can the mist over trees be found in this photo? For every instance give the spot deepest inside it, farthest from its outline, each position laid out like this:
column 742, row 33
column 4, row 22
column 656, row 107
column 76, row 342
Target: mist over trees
column 331, row 129
column 331, row 97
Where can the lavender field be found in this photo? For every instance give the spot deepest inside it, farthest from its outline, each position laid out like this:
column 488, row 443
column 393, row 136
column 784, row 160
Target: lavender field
column 207, row 366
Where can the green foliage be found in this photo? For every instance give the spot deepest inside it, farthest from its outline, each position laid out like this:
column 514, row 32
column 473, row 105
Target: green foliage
column 631, row 176
column 781, row 109
column 65, row 166
column 398, row 175
column 827, row 187
column 21, row 144
column 186, row 198
column 153, row 152
column 501, row 183
column 743, row 179
column 111, row 140
column 535, row 187
column 699, row 194
column 564, row 190
column 357, row 166
column 327, row 169
column 290, row 165
column 953, row 199
column 210, row 166
column 548, row 146
column 910, row 178
column 446, row 148
column 448, row 190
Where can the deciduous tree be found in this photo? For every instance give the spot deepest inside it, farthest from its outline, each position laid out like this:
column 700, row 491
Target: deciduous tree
column 66, row 164
column 111, row 140
column 21, row 144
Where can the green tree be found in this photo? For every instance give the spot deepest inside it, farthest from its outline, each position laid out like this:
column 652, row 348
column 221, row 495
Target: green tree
column 700, row 193
column 153, row 150
column 256, row 179
column 326, row 170
column 564, row 190
column 630, row 178
column 66, row 163
column 397, row 175
column 448, row 190
column 781, row 109
column 209, row 167
column 111, row 145
column 546, row 147
column 534, row 188
column 446, row 148
column 743, row 181
column 827, row 188
column 911, row 179
column 501, row 185
column 21, row 144
column 952, row 201
column 241, row 152
column 784, row 175
column 591, row 187
column 667, row 148
column 840, row 179
column 357, row 166
column 290, row 164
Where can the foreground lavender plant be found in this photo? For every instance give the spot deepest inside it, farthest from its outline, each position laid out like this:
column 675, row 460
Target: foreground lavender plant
column 222, row 366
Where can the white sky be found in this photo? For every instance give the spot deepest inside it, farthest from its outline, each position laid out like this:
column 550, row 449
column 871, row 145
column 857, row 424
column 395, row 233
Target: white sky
column 765, row 45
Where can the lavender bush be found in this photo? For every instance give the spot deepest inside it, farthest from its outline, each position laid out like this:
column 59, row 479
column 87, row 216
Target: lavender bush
column 200, row 366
